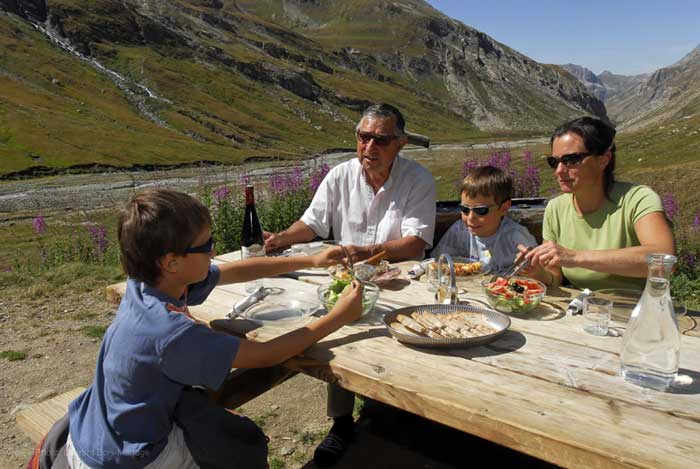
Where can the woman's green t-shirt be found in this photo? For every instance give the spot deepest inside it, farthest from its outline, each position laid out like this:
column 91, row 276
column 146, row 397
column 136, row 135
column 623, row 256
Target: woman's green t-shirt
column 610, row 227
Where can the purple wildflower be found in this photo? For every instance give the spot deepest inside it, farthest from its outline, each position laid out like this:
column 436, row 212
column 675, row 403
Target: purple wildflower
column 221, row 193
column 689, row 259
column 670, row 205
column 317, row 176
column 7, row 268
column 500, row 160
column 39, row 224
column 99, row 238
column 296, row 180
column 468, row 166
column 245, row 179
column 696, row 222
column 283, row 185
column 528, row 183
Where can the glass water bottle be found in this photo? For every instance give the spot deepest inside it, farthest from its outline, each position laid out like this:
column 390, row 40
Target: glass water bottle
column 651, row 345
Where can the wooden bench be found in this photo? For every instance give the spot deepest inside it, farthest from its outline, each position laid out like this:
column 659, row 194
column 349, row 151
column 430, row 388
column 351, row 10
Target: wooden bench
column 37, row 419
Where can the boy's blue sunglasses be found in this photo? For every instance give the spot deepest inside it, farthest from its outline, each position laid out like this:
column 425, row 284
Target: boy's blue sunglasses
column 205, row 248
column 480, row 210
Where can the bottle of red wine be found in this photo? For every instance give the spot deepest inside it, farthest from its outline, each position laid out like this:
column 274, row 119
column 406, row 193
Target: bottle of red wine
column 252, row 242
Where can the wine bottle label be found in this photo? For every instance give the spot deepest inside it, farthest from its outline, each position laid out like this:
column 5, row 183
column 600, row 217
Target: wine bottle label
column 254, row 250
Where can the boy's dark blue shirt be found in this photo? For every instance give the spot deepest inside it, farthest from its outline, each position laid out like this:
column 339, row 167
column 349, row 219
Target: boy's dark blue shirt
column 147, row 357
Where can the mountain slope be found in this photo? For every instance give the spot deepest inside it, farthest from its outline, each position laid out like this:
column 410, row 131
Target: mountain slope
column 166, row 82
column 480, row 78
column 669, row 93
column 641, row 100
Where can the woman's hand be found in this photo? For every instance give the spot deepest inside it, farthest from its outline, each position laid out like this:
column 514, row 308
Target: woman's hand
column 538, row 272
column 549, row 255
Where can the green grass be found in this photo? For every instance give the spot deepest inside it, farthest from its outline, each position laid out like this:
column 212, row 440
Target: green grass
column 13, row 355
column 310, row 437
column 94, row 332
column 276, row 463
column 58, row 111
column 261, row 420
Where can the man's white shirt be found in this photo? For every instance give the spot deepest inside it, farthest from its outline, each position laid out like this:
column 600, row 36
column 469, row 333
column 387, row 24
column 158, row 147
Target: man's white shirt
column 346, row 203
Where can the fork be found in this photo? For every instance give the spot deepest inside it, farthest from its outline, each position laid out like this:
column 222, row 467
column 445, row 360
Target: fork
column 348, row 262
column 519, row 266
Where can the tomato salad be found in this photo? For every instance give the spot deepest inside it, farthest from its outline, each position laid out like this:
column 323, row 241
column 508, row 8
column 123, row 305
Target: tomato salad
column 515, row 295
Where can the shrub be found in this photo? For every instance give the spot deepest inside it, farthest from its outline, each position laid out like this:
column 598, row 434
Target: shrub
column 279, row 203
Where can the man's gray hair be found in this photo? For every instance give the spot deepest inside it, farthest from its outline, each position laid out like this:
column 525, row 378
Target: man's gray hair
column 384, row 111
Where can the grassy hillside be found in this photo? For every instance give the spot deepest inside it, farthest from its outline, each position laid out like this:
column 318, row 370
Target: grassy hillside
column 59, row 111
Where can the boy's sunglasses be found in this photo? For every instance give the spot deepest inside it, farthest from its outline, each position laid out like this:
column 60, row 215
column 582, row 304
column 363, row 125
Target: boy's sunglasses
column 480, row 210
column 570, row 160
column 380, row 140
column 205, row 248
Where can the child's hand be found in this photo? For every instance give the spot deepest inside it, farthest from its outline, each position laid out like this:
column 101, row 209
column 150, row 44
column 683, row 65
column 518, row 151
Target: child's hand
column 349, row 305
column 328, row 257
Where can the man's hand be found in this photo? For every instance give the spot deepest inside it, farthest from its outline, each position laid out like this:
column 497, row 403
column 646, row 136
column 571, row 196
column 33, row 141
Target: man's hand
column 273, row 241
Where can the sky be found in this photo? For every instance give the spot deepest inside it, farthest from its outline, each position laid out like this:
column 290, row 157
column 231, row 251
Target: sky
column 622, row 36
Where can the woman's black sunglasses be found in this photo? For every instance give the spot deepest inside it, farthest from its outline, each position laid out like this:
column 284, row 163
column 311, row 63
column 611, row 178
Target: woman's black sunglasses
column 205, row 248
column 380, row 140
column 480, row 210
column 572, row 159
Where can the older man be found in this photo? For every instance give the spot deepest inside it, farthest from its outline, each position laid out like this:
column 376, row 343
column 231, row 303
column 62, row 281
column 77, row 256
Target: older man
column 377, row 202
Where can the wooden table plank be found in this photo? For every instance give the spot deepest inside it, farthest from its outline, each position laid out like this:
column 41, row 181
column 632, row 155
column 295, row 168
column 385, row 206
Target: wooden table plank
column 553, row 422
column 546, row 388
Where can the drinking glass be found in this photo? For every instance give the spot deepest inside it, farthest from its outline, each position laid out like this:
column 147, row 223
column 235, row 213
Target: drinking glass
column 596, row 315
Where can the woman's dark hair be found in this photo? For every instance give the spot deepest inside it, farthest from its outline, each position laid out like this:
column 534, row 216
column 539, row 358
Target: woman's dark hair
column 155, row 223
column 598, row 137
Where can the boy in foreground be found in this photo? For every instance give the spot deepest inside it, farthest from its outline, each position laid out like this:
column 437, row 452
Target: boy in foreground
column 154, row 350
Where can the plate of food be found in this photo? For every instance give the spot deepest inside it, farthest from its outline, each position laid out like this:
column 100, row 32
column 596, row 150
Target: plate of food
column 381, row 273
column 446, row 325
column 464, row 267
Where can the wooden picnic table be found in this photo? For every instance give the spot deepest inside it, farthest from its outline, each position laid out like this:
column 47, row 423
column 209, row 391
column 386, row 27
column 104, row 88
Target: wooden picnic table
column 546, row 388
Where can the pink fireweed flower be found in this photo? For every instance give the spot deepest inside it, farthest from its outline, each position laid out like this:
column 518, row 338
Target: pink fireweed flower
column 39, row 224
column 99, row 238
column 317, row 176
column 221, row 193
column 670, row 205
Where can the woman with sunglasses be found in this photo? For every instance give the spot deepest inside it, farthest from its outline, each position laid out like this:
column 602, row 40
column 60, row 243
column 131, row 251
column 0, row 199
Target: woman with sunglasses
column 598, row 232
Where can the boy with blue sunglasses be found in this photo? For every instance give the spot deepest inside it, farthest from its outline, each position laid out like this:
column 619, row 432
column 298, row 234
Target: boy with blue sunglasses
column 485, row 232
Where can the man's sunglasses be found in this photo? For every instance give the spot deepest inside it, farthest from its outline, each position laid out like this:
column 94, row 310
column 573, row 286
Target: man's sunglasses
column 570, row 160
column 205, row 248
column 480, row 210
column 380, row 140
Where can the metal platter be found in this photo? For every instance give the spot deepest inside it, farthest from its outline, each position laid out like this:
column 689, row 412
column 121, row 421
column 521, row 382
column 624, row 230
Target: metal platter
column 498, row 321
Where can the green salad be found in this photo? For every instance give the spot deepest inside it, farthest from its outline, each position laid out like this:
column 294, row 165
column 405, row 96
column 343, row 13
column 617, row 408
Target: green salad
column 336, row 288
column 334, row 291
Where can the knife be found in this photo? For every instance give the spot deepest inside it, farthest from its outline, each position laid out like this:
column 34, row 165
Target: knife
column 241, row 306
